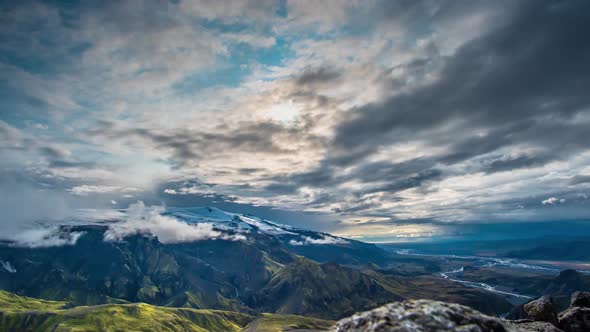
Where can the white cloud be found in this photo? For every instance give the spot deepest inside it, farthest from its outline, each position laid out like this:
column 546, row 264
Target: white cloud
column 84, row 190
column 41, row 237
column 149, row 220
column 553, row 200
column 29, row 214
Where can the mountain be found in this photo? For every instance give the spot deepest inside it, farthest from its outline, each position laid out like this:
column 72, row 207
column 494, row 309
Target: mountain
column 329, row 290
column 564, row 250
column 250, row 265
column 299, row 241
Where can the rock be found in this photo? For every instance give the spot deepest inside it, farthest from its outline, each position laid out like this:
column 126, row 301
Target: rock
column 530, row 325
column 542, row 309
column 575, row 319
column 422, row 315
column 580, row 299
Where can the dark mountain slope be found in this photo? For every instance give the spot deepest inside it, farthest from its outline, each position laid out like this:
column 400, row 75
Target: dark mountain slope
column 322, row 290
column 138, row 269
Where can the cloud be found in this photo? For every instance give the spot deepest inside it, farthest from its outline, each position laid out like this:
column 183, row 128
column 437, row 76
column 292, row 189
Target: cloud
column 146, row 220
column 84, row 190
column 378, row 110
column 32, row 213
column 313, row 76
column 45, row 236
column 553, row 201
column 190, row 188
column 580, row 179
column 28, row 213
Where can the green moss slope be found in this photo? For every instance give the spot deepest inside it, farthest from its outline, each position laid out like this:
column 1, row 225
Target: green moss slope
column 125, row 317
column 21, row 313
column 279, row 323
column 13, row 302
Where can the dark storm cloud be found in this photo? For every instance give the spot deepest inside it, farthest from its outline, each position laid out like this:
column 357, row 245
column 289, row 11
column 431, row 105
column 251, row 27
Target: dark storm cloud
column 377, row 176
column 322, row 75
column 522, row 82
column 509, row 163
column 506, row 82
column 409, row 182
column 579, row 179
column 532, row 66
column 189, row 146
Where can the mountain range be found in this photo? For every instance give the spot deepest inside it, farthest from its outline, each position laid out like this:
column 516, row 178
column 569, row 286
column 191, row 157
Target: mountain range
column 244, row 268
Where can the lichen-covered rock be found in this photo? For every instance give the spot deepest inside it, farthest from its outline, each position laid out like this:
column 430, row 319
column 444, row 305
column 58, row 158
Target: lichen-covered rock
column 423, row 316
column 575, row 319
column 542, row 309
column 529, row 325
column 580, row 299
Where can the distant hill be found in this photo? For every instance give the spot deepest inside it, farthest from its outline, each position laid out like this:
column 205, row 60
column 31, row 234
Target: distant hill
column 578, row 250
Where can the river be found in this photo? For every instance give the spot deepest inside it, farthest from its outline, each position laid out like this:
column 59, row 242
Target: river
column 508, row 263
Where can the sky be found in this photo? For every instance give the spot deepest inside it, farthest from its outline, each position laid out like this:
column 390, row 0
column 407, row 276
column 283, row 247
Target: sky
column 375, row 120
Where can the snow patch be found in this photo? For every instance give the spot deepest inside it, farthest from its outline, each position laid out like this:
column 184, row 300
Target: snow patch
column 7, row 266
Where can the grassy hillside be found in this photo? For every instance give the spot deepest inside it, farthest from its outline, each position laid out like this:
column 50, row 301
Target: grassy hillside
column 12, row 302
column 123, row 317
column 279, row 323
column 20, row 313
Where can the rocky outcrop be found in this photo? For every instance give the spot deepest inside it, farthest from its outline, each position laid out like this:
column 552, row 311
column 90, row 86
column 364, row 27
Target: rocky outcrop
column 542, row 310
column 427, row 316
column 577, row 317
column 422, row 315
column 529, row 325
column 580, row 299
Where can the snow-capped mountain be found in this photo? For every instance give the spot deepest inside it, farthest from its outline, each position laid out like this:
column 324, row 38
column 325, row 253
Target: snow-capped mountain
column 226, row 221
column 248, row 224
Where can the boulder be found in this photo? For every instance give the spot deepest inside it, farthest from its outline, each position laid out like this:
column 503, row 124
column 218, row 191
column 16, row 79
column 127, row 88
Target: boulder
column 580, row 299
column 542, row 309
column 575, row 319
column 424, row 316
column 530, row 325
